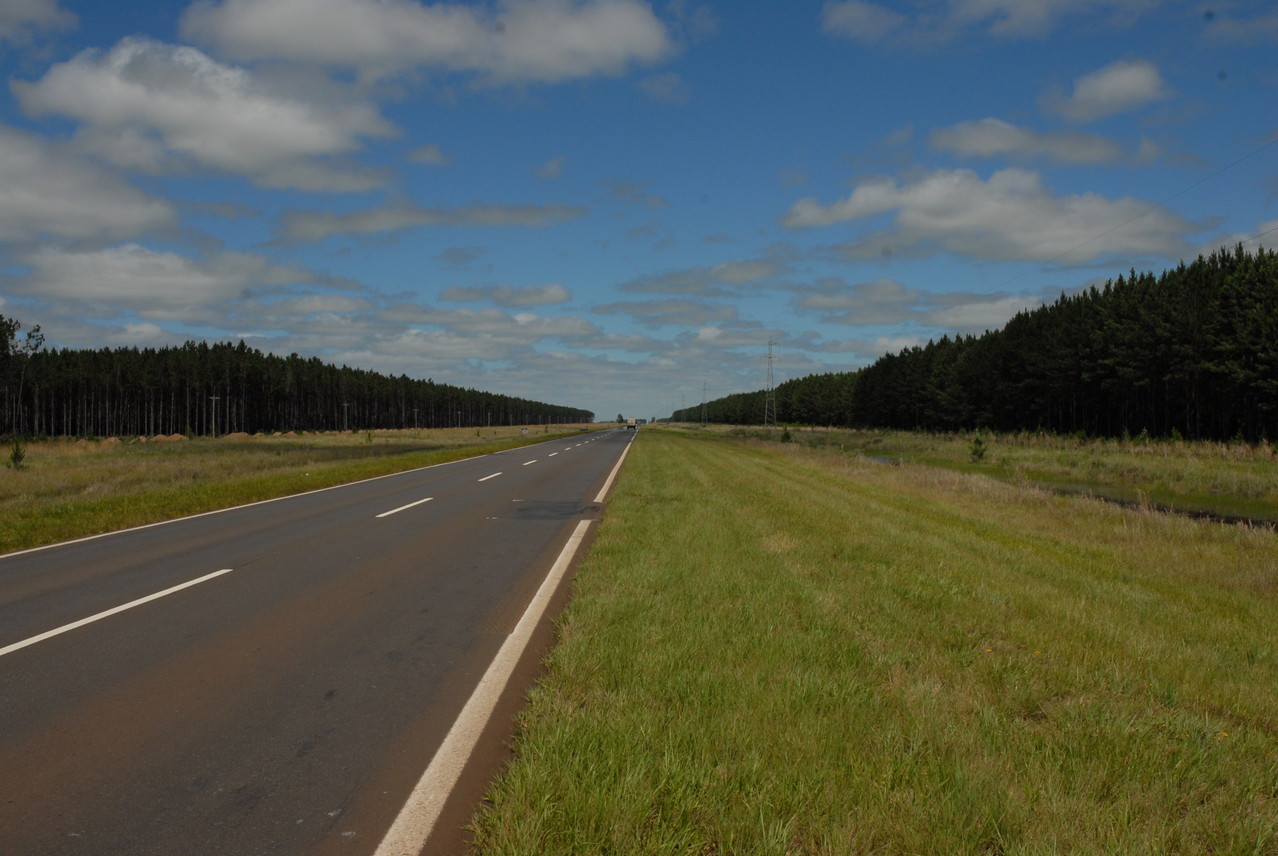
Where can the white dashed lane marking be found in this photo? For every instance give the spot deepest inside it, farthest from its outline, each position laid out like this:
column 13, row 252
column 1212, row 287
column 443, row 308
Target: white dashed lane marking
column 404, row 507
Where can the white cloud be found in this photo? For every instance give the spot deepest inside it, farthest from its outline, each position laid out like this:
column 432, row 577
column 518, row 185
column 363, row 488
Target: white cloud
column 509, row 296
column 670, row 312
column 1019, row 18
column 466, row 346
column 129, row 148
column 863, row 22
column 882, row 301
column 707, row 281
column 976, row 313
column 886, row 302
column 521, row 41
column 668, row 87
column 18, row 18
column 1119, row 87
column 460, row 257
column 952, row 19
column 199, row 112
column 892, row 344
column 994, row 137
column 740, row 273
column 1262, row 30
column 536, row 374
column 635, row 192
column 738, row 338
column 46, row 192
column 157, row 284
column 313, row 304
column 492, row 331
column 709, row 334
column 430, row 154
column 140, row 334
column 551, row 169
column 318, row 225
column 1009, row 216
column 1263, row 235
column 875, row 196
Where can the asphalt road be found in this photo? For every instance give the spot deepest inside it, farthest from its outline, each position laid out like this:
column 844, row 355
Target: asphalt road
column 288, row 702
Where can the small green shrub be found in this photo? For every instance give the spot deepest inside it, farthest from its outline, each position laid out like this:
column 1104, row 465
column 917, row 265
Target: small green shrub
column 17, row 455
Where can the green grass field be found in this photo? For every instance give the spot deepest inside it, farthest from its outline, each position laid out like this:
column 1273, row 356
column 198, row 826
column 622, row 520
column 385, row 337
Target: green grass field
column 1225, row 479
column 68, row 488
column 774, row 649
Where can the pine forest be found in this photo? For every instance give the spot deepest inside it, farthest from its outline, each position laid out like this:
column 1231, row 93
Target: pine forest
column 1191, row 353
column 203, row 389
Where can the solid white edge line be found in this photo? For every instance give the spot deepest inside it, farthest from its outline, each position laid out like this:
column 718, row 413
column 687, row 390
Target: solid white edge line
column 612, row 475
column 404, row 507
column 416, row 820
column 486, row 478
column 16, row 646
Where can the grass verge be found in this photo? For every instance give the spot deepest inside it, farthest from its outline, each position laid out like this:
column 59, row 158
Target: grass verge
column 774, row 650
column 1231, row 480
column 69, row 489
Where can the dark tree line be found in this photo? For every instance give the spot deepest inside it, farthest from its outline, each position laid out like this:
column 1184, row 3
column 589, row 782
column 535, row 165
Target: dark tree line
column 202, row 389
column 1192, row 353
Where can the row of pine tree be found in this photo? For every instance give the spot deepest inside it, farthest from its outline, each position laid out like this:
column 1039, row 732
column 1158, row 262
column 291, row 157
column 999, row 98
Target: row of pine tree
column 1191, row 353
column 215, row 389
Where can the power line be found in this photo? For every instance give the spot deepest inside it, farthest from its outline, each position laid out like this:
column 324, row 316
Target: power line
column 1260, row 235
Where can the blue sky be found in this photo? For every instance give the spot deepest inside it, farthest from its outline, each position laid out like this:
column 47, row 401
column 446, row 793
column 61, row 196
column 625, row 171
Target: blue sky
column 614, row 204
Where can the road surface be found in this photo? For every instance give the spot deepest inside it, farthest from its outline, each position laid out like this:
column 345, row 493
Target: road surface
column 274, row 679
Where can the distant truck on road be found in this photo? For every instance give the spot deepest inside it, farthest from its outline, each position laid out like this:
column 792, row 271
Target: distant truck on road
column 632, row 424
